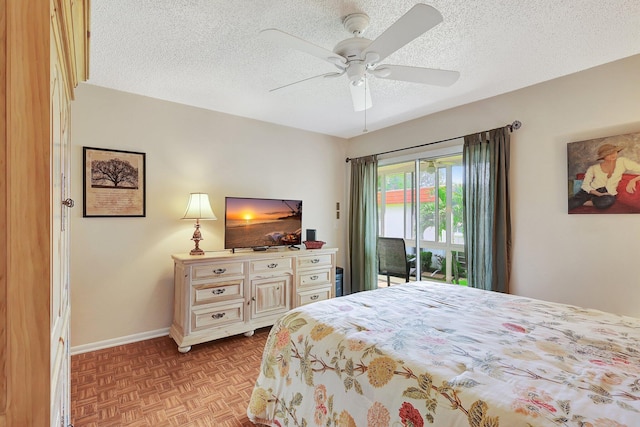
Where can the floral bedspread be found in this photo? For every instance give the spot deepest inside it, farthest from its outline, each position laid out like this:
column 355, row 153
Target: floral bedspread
column 430, row 353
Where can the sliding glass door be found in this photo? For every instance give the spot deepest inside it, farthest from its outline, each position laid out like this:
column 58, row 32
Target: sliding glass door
column 421, row 201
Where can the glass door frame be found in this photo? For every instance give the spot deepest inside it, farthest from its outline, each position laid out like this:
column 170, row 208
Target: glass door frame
column 448, row 246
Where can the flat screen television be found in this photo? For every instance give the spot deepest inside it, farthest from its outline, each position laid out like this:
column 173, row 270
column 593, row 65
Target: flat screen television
column 261, row 223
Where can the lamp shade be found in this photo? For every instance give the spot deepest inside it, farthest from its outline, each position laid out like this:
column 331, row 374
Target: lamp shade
column 199, row 207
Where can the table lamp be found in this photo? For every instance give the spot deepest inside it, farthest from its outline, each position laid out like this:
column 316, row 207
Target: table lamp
column 198, row 208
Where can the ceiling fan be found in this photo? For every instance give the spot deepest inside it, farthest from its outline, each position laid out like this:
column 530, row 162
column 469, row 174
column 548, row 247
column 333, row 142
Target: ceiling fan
column 359, row 58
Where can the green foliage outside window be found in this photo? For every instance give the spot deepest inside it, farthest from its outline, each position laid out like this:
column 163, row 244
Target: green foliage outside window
column 427, row 217
column 426, row 260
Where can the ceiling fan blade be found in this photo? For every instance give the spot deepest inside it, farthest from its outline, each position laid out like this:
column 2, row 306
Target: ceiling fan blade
column 417, row 21
column 360, row 96
column 430, row 76
column 332, row 74
column 293, row 42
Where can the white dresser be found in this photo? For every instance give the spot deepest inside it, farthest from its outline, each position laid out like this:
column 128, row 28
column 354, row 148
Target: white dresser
column 222, row 293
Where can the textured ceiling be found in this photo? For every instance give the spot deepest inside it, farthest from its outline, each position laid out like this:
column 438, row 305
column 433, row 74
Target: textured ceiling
column 209, row 54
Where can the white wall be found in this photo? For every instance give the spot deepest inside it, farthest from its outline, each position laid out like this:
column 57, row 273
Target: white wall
column 121, row 268
column 587, row 260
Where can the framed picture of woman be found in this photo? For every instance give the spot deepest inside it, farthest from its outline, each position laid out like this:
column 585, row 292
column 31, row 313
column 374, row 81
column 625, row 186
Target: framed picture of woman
column 604, row 175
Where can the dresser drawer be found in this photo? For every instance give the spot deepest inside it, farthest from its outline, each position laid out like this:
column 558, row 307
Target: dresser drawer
column 313, row 278
column 206, row 318
column 307, row 297
column 215, row 292
column 216, row 270
column 270, row 265
column 311, row 261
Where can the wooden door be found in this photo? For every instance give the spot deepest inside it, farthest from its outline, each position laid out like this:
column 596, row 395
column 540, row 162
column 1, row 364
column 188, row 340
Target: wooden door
column 25, row 164
column 36, row 88
column 60, row 205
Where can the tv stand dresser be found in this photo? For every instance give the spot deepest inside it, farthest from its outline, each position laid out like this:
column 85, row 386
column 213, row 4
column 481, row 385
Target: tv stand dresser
column 223, row 293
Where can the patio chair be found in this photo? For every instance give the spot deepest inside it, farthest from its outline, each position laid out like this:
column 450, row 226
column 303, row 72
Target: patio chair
column 392, row 258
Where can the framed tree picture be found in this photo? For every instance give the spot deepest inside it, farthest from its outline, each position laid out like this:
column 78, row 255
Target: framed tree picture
column 114, row 183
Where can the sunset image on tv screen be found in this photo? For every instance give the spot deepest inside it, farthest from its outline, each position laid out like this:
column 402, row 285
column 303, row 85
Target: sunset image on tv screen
column 251, row 223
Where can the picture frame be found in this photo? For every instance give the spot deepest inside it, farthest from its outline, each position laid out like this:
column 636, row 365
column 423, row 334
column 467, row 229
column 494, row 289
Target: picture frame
column 609, row 166
column 114, row 183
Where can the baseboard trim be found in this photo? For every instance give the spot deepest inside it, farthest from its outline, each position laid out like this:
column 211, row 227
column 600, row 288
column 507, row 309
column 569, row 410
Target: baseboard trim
column 99, row 345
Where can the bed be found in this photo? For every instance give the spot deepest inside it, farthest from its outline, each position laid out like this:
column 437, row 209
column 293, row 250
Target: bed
column 428, row 353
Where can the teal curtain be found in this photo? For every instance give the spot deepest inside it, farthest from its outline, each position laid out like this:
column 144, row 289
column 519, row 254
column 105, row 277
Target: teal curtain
column 487, row 217
column 363, row 223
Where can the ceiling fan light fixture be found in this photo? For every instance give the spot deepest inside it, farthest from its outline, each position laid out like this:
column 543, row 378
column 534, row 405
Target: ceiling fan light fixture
column 356, row 71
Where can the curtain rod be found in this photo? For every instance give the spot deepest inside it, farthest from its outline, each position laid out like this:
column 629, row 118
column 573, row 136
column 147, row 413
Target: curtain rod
column 513, row 126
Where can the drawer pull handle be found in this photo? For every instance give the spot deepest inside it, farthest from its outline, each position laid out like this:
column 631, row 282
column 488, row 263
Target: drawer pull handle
column 315, row 261
column 314, row 297
column 217, row 315
column 272, row 265
column 219, row 270
column 314, row 277
column 218, row 291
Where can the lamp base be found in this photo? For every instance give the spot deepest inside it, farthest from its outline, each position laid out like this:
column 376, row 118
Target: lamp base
column 196, row 251
column 197, row 236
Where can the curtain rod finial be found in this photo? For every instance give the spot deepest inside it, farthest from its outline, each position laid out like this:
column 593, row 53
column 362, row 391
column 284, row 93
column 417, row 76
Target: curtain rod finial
column 516, row 125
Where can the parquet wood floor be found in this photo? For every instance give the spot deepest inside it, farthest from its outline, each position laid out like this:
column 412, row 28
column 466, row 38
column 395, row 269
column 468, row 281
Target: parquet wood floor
column 149, row 383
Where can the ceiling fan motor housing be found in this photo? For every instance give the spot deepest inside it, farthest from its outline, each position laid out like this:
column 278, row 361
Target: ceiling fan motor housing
column 351, row 49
